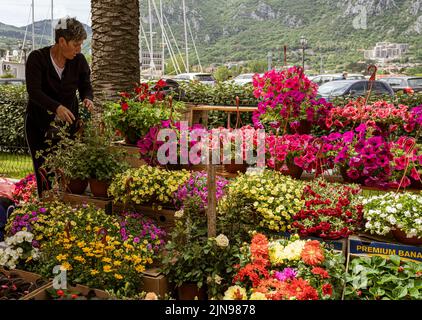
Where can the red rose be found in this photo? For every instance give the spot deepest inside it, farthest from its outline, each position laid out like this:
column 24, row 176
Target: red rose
column 60, row 293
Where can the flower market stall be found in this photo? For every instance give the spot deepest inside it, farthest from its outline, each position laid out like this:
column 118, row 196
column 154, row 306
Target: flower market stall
column 333, row 210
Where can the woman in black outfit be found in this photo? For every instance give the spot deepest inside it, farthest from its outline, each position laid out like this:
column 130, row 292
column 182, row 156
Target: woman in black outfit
column 53, row 74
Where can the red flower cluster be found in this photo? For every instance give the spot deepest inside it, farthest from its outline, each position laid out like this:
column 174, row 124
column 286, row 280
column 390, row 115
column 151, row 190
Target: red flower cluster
column 142, row 93
column 324, row 203
column 298, row 289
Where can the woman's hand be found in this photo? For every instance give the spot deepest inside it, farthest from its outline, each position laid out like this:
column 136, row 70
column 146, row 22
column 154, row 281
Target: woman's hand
column 89, row 105
column 65, row 114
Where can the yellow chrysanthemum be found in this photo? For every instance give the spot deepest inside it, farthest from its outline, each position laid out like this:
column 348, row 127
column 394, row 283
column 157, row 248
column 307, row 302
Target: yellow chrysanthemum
column 107, row 268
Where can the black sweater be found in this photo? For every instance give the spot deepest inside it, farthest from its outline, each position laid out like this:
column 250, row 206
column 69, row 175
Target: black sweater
column 47, row 91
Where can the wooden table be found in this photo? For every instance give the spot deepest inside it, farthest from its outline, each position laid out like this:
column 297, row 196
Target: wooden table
column 200, row 112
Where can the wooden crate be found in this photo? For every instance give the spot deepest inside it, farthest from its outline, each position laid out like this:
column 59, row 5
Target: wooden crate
column 78, row 200
column 154, row 281
column 28, row 277
column 133, row 156
column 42, row 293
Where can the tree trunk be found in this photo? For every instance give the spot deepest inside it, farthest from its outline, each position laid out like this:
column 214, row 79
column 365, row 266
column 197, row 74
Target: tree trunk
column 115, row 48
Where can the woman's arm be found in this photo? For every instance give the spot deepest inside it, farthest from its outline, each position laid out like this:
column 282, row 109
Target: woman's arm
column 33, row 75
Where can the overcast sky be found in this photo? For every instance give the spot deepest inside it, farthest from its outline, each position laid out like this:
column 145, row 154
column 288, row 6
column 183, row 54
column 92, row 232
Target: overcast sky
column 17, row 12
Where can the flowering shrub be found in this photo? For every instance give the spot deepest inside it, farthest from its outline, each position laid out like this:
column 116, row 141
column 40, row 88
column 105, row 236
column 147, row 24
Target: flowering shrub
column 135, row 226
column 25, row 190
column 287, row 270
column 96, row 249
column 378, row 278
column 273, row 197
column 394, row 211
column 140, row 110
column 197, row 186
column 19, row 250
column 147, row 185
column 286, row 97
column 331, row 211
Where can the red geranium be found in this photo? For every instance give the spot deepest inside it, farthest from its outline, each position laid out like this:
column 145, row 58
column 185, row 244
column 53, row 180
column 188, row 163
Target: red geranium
column 327, row 289
column 321, row 272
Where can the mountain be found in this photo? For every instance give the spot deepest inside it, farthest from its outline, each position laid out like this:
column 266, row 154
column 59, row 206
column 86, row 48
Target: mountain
column 11, row 37
column 337, row 30
column 239, row 30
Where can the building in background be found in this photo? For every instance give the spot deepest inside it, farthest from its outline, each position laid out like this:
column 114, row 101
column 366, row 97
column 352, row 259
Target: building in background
column 385, row 51
column 10, row 65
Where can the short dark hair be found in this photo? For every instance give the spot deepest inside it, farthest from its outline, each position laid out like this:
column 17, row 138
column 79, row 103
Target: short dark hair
column 69, row 29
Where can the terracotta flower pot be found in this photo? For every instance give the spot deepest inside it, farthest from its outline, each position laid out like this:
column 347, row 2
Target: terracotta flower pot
column 188, row 291
column 401, row 237
column 99, row 188
column 77, row 186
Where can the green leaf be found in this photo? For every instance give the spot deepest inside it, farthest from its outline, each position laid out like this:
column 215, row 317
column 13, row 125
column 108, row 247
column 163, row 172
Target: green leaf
column 395, row 260
column 399, row 293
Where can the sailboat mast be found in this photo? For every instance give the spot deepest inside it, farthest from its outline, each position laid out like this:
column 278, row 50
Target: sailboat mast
column 151, row 63
column 33, row 26
column 186, row 37
column 52, row 17
column 162, row 39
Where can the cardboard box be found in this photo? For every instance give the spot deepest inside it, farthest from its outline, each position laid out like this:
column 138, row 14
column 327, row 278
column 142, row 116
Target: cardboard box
column 362, row 246
column 155, row 281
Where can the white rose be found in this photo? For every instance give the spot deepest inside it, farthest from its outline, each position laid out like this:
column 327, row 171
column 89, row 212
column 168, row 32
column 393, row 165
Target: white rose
column 222, row 241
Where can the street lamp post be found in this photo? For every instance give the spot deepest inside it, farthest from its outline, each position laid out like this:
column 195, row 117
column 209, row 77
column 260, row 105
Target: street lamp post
column 303, row 42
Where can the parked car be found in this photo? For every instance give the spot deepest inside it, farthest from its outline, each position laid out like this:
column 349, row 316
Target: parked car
column 324, row 78
column 404, row 83
column 12, row 81
column 353, row 88
column 245, row 78
column 205, row 78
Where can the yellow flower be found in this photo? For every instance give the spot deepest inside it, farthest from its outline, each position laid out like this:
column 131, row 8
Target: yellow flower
column 80, row 259
column 118, row 276
column 61, row 257
column 106, row 260
column 107, row 268
column 117, row 263
column 94, row 272
column 258, row 296
column 86, row 250
column 235, row 293
column 67, row 266
column 140, row 268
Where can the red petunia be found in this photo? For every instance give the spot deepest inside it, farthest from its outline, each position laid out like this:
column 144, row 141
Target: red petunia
column 152, row 98
column 124, row 95
column 160, row 84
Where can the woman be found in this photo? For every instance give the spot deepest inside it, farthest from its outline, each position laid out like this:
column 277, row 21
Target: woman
column 53, row 74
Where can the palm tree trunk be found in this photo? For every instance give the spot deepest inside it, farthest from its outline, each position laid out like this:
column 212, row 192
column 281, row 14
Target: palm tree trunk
column 115, row 48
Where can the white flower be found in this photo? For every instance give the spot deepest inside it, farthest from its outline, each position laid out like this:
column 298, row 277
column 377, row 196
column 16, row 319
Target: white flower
column 407, row 214
column 399, row 206
column 392, row 220
column 217, row 279
column 179, row 214
column 222, row 241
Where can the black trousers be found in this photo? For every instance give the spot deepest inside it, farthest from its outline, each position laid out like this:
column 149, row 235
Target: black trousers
column 36, row 140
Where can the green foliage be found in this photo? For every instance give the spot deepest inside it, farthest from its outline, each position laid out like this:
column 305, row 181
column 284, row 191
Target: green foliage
column 7, row 76
column 223, row 94
column 378, row 278
column 193, row 257
column 222, row 73
column 13, row 101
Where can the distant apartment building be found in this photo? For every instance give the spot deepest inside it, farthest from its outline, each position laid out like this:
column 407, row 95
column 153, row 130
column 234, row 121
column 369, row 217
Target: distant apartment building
column 386, row 51
column 9, row 65
column 152, row 67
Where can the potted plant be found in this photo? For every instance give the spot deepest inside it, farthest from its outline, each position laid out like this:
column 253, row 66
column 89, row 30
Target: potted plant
column 380, row 278
column 331, row 211
column 288, row 101
column 398, row 213
column 199, row 266
column 141, row 110
column 103, row 161
column 67, row 161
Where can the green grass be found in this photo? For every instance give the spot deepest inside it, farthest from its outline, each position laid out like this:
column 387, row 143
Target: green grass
column 15, row 166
